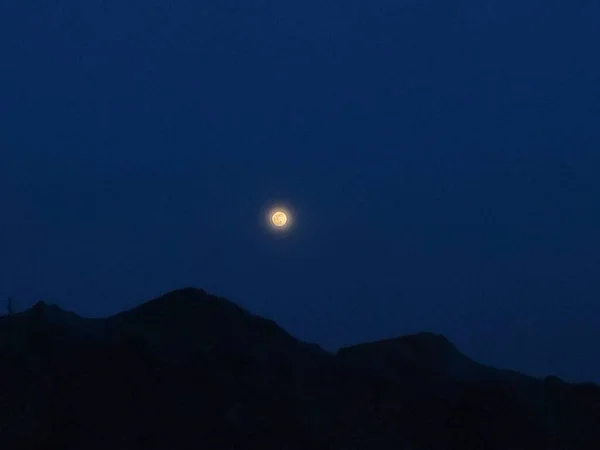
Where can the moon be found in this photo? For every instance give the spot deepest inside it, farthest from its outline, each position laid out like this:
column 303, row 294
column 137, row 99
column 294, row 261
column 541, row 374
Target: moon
column 279, row 219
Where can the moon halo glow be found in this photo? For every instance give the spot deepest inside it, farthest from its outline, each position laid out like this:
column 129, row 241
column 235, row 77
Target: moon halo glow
column 279, row 218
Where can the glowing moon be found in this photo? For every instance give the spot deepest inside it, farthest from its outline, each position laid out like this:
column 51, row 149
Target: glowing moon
column 279, row 219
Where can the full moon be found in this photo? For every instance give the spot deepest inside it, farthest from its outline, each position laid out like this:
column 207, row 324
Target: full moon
column 279, row 219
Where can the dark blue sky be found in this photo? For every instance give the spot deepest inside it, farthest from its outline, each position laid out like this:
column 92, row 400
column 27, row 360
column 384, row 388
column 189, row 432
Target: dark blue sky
column 442, row 160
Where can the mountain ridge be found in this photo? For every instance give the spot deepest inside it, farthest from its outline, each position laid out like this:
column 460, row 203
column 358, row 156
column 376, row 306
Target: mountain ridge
column 188, row 354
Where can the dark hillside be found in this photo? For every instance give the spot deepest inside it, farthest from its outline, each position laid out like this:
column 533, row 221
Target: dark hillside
column 192, row 370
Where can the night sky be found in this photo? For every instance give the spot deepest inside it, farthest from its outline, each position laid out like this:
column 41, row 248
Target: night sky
column 441, row 160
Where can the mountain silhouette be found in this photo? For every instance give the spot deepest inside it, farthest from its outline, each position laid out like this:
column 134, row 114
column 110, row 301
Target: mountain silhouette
column 192, row 370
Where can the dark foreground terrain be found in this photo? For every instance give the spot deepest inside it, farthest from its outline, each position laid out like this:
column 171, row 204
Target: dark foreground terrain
column 193, row 371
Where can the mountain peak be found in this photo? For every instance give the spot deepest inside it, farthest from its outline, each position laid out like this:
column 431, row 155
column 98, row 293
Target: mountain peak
column 42, row 305
column 50, row 311
column 185, row 321
column 185, row 305
column 427, row 352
